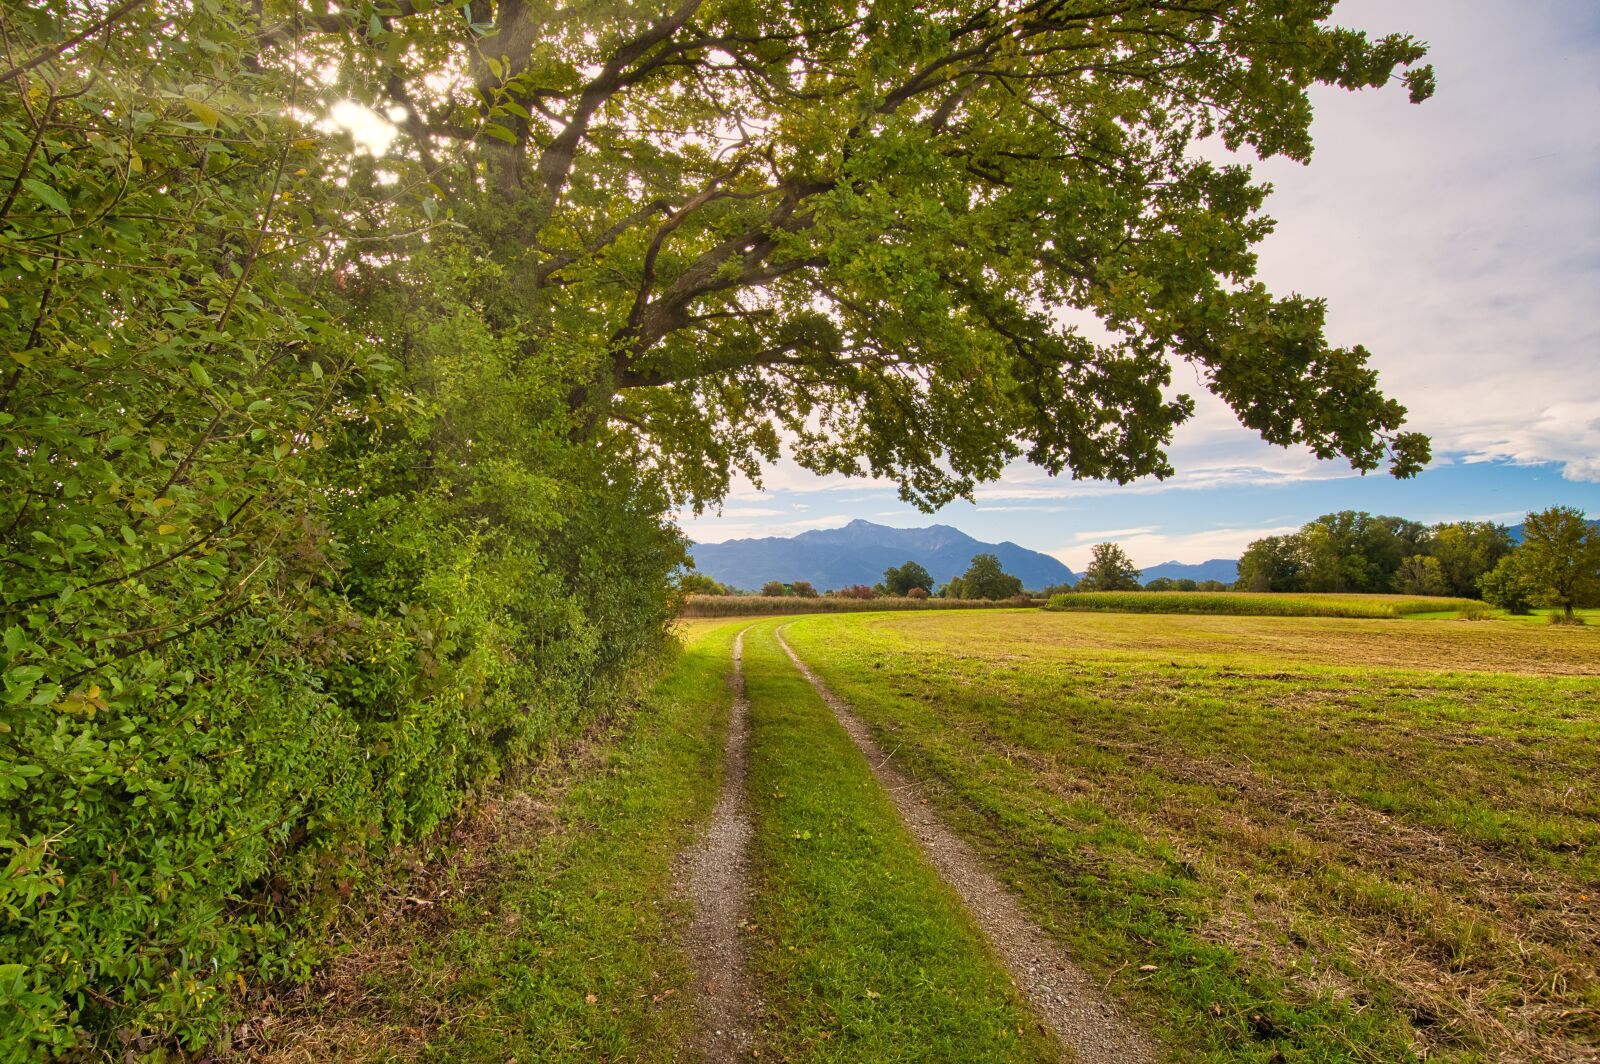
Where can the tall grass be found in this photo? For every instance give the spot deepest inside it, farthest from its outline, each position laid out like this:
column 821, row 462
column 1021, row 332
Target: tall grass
column 1254, row 604
column 765, row 605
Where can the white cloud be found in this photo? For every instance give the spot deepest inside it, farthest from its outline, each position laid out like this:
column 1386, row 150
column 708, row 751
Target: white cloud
column 1149, row 547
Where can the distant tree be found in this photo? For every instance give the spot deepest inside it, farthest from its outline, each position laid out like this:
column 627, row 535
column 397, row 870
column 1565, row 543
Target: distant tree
column 1273, row 563
column 1560, row 559
column 917, row 593
column 1420, row 574
column 1211, row 585
column 1188, row 585
column 1354, row 551
column 856, row 591
column 1161, row 583
column 952, row 589
column 1466, row 551
column 803, row 589
column 898, row 581
column 1110, row 569
column 774, row 589
column 1057, row 589
column 691, row 583
column 1504, row 586
column 985, row 579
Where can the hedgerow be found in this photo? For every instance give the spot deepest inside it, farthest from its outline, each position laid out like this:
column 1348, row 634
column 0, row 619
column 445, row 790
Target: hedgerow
column 297, row 552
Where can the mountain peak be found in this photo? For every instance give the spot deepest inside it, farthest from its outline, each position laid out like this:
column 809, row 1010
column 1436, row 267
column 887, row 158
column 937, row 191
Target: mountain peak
column 859, row 552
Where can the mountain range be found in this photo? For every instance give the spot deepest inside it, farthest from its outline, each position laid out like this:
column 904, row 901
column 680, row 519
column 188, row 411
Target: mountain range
column 859, row 552
column 1224, row 569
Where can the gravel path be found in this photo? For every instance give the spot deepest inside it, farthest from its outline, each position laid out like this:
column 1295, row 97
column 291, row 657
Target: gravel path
column 1068, row 1002
column 716, row 875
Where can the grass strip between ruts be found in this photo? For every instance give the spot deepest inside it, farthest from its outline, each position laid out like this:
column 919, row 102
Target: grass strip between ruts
column 565, row 950
column 859, row 950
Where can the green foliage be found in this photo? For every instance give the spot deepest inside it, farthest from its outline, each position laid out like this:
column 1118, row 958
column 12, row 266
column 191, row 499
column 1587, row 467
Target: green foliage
column 1420, row 574
column 1271, row 564
column 775, row 589
column 338, row 483
column 985, row 579
column 1249, row 604
column 1559, row 559
column 1356, row 552
column 1031, row 166
column 803, row 589
column 900, row 580
column 1110, row 569
column 1466, row 550
column 691, row 583
column 1504, row 586
column 296, row 552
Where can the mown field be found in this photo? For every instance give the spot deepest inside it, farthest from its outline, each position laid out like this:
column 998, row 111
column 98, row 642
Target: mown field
column 1272, row 839
column 1279, row 838
column 1245, row 603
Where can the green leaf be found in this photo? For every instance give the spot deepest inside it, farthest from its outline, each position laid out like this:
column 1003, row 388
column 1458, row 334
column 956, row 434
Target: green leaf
column 201, row 377
column 47, row 196
column 499, row 132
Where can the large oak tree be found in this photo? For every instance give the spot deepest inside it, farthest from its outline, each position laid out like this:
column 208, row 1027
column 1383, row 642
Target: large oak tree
column 875, row 229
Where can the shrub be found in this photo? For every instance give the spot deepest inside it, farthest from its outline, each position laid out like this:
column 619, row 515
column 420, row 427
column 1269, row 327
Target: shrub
column 917, row 594
column 856, row 591
column 774, row 589
column 803, row 589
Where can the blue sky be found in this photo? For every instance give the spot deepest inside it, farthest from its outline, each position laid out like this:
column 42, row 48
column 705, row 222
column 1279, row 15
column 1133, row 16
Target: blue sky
column 1459, row 241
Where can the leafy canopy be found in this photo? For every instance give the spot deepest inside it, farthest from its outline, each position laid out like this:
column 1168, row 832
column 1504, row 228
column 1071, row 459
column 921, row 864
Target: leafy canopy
column 899, row 580
column 874, row 229
column 1110, row 569
column 985, row 579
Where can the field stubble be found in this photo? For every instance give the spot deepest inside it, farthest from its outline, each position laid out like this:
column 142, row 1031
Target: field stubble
column 1325, row 839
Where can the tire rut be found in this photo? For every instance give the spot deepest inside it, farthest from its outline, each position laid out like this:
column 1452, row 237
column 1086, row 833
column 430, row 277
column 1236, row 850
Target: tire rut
column 715, row 874
column 1069, row 1003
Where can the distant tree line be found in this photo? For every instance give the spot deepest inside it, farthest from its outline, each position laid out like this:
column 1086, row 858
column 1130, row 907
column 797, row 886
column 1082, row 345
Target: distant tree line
column 1558, row 563
column 985, row 578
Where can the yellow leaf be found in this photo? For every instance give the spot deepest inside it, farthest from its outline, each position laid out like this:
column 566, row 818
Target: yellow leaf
column 21, row 358
column 162, row 503
column 305, row 144
column 135, row 163
column 204, row 112
column 166, row 530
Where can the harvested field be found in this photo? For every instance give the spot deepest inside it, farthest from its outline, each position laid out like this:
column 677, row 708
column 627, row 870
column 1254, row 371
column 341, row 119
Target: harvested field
column 1283, row 838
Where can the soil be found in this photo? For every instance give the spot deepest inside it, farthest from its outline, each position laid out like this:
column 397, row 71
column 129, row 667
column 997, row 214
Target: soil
column 715, row 874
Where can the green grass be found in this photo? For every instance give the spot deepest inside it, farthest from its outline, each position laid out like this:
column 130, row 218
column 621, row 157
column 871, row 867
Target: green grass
column 1245, row 603
column 1302, row 840
column 769, row 605
column 862, row 953
column 574, row 898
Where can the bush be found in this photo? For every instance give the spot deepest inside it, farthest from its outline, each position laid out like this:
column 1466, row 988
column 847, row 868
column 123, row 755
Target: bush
column 803, row 589
column 774, row 589
column 917, row 594
column 856, row 591
column 1504, row 586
